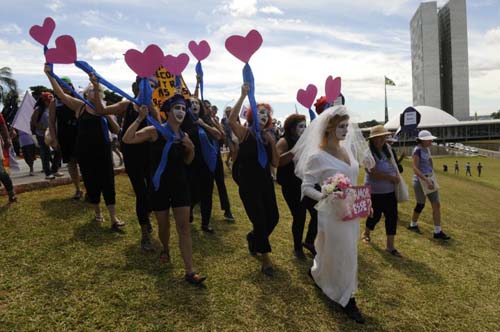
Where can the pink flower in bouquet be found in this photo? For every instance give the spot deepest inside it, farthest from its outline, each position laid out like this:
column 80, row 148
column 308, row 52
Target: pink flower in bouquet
column 336, row 185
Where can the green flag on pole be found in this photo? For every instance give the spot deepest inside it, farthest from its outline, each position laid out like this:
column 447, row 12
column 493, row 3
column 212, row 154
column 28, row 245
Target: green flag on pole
column 388, row 81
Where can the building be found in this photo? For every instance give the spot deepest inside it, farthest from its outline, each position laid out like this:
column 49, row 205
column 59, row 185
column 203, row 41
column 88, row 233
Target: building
column 440, row 61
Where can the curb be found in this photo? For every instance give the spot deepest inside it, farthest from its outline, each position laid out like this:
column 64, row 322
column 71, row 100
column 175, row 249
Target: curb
column 26, row 187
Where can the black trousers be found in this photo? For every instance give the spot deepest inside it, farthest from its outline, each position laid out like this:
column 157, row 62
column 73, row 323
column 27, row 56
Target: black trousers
column 140, row 177
column 386, row 204
column 221, row 185
column 202, row 188
column 260, row 205
column 5, row 177
column 298, row 209
column 96, row 166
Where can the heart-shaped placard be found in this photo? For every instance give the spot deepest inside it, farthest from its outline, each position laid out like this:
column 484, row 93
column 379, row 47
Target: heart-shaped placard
column 244, row 47
column 176, row 64
column 43, row 33
column 332, row 88
column 144, row 64
column 200, row 51
column 64, row 52
column 306, row 97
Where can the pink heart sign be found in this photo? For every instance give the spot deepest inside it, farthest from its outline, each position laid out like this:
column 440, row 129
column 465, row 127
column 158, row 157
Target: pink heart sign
column 144, row 64
column 200, row 51
column 332, row 88
column 64, row 52
column 306, row 97
column 43, row 33
column 244, row 47
column 176, row 64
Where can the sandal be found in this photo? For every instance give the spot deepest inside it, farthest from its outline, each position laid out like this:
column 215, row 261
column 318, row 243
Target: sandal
column 194, row 278
column 394, row 252
column 99, row 218
column 164, row 257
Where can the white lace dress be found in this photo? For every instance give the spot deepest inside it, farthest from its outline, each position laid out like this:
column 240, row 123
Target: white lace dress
column 335, row 266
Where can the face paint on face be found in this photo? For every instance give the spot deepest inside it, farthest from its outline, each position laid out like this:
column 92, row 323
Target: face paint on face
column 195, row 106
column 263, row 116
column 341, row 130
column 301, row 126
column 179, row 112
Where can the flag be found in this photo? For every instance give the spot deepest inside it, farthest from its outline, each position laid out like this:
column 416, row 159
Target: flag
column 23, row 115
column 388, row 81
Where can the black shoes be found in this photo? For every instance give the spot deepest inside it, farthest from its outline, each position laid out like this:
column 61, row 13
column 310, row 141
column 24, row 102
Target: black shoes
column 228, row 216
column 207, row 229
column 268, row 271
column 414, row 229
column 441, row 236
column 353, row 312
column 310, row 247
column 299, row 253
column 146, row 245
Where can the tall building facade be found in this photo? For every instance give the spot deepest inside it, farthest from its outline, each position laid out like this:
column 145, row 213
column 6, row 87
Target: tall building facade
column 440, row 61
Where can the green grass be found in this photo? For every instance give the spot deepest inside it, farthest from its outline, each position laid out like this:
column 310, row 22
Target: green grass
column 60, row 271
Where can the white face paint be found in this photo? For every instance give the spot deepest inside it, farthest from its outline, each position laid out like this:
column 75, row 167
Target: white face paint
column 341, row 130
column 263, row 116
column 179, row 112
column 195, row 106
column 301, row 126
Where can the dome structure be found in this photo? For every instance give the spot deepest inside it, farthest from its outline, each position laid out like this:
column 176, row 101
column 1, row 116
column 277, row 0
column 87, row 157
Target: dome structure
column 430, row 117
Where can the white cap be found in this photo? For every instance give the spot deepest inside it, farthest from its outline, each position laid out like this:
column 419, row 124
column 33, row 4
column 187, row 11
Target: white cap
column 425, row 135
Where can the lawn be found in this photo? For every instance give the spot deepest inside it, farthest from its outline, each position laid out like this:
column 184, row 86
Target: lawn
column 61, row 271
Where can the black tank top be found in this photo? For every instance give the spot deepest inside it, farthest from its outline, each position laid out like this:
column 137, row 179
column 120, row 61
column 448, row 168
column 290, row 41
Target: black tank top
column 250, row 171
column 65, row 119
column 176, row 172
column 90, row 129
column 135, row 151
column 285, row 175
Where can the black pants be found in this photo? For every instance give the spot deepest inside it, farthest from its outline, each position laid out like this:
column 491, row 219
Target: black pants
column 29, row 154
column 202, row 188
column 140, row 178
column 298, row 209
column 96, row 166
column 5, row 178
column 221, row 185
column 388, row 205
column 260, row 205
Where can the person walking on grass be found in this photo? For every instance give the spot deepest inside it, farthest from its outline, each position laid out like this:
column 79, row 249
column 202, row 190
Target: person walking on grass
column 457, row 168
column 425, row 184
column 467, row 169
column 479, row 169
column 5, row 143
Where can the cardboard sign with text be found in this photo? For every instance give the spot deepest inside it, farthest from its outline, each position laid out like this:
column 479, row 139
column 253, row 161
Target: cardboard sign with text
column 165, row 88
column 362, row 204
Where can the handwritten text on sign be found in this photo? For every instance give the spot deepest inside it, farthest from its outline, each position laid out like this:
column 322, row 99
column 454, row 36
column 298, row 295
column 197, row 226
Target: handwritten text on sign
column 362, row 205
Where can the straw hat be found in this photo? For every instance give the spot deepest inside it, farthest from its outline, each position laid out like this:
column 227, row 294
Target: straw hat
column 377, row 131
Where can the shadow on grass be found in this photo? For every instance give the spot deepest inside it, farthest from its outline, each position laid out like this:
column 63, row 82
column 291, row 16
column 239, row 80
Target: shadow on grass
column 64, row 208
column 413, row 269
column 95, row 234
column 211, row 245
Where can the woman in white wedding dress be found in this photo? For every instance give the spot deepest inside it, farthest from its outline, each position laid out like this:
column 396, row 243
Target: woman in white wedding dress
column 329, row 146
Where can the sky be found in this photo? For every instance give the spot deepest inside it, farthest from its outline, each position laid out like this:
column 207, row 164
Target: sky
column 304, row 42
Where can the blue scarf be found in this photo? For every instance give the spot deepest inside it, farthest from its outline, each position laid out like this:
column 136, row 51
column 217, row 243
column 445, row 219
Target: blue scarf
column 208, row 147
column 199, row 71
column 261, row 151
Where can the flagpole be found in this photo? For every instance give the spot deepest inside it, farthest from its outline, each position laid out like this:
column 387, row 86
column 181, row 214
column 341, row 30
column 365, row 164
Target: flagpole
column 386, row 111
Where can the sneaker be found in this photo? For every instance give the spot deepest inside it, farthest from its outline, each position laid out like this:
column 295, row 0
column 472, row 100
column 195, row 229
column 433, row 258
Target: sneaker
column 228, row 216
column 78, row 195
column 414, row 229
column 207, row 229
column 441, row 236
column 58, row 174
column 351, row 309
column 50, row 177
column 146, row 245
column 12, row 199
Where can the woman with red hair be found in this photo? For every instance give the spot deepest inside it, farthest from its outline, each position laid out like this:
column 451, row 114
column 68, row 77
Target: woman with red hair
column 256, row 186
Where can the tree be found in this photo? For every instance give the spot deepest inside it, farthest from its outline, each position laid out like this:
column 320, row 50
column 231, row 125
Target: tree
column 368, row 124
column 7, row 83
column 37, row 90
column 496, row 115
column 10, row 106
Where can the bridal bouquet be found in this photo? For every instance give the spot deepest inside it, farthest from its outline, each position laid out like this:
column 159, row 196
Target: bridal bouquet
column 348, row 202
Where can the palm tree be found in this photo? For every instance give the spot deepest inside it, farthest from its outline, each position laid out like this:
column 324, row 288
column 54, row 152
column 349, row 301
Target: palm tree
column 7, row 83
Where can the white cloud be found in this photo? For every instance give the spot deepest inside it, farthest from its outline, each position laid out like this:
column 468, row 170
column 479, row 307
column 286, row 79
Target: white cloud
column 55, row 5
column 240, row 8
column 271, row 10
column 10, row 28
column 108, row 48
